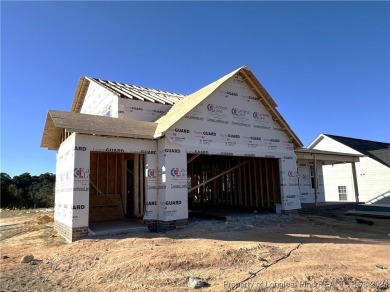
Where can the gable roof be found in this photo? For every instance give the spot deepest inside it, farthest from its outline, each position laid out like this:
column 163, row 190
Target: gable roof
column 81, row 123
column 125, row 91
column 184, row 106
column 57, row 121
column 379, row 151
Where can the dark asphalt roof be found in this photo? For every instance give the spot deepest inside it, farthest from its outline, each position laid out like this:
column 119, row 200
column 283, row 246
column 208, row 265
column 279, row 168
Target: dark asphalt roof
column 379, row 151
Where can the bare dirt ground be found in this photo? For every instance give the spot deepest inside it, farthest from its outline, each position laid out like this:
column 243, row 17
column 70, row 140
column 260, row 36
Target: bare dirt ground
column 328, row 252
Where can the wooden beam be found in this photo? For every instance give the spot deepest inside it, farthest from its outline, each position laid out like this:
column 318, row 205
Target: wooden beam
column 255, row 176
column 267, row 181
column 142, row 174
column 136, row 184
column 123, row 174
column 192, row 158
column 95, row 187
column 245, row 180
column 261, row 181
column 107, row 173
column 217, row 176
column 97, row 169
column 116, row 173
column 273, row 181
column 230, row 175
column 250, row 179
column 116, row 182
column 239, row 185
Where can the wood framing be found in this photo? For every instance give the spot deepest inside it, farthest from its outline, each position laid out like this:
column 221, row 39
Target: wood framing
column 108, row 193
column 223, row 182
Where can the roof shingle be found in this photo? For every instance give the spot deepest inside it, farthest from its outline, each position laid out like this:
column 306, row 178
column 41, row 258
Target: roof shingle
column 379, row 151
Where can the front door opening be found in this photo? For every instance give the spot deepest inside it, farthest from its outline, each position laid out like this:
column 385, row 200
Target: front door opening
column 116, row 186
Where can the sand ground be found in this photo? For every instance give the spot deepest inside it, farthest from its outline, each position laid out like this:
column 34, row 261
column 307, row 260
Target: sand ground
column 322, row 252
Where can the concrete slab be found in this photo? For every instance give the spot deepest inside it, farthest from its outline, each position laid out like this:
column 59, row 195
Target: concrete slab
column 110, row 227
column 369, row 213
column 373, row 207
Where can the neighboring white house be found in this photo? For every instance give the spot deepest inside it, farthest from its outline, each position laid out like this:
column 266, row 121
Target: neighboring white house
column 372, row 171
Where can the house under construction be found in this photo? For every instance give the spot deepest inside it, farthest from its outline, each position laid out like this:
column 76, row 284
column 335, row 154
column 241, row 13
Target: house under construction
column 129, row 151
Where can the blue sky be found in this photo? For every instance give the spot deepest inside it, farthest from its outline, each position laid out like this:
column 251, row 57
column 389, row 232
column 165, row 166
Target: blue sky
column 326, row 64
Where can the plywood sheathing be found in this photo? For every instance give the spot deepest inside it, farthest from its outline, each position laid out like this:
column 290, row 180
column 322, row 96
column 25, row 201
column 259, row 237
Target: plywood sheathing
column 184, row 106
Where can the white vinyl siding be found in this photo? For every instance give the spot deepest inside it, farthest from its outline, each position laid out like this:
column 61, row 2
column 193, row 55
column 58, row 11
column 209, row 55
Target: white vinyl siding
column 373, row 177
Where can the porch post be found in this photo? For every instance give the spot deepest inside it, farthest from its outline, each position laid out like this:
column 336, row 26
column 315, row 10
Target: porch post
column 355, row 182
column 315, row 178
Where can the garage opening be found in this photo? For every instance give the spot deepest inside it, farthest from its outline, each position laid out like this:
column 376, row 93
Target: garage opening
column 227, row 182
column 117, row 186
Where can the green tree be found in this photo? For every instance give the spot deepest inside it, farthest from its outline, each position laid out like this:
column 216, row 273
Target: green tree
column 41, row 191
column 5, row 196
column 27, row 191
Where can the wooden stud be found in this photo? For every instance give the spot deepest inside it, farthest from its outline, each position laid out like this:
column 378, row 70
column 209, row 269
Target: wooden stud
column 136, row 184
column 124, row 181
column 239, row 185
column 273, row 180
column 261, row 181
column 267, row 181
column 250, row 179
column 255, row 178
column 97, row 169
column 107, row 173
column 142, row 174
column 95, row 187
column 230, row 186
column 245, row 189
column 236, row 186
column 116, row 172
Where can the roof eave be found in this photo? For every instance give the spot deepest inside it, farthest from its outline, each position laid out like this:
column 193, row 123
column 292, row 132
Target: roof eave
column 79, row 95
column 57, row 121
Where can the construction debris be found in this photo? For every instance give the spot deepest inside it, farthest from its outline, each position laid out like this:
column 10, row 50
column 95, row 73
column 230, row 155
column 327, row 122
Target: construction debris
column 195, row 283
column 27, row 258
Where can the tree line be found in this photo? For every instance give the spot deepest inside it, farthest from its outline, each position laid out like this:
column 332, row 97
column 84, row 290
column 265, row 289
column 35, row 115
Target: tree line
column 26, row 191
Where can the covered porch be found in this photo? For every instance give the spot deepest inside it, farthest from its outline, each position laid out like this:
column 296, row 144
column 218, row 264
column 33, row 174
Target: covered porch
column 316, row 159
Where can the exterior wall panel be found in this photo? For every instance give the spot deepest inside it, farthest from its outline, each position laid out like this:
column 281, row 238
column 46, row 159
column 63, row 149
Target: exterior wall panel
column 232, row 121
column 140, row 110
column 99, row 101
column 65, row 165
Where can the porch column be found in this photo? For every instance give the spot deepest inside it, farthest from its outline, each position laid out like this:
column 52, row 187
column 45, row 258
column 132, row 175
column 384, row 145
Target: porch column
column 81, row 190
column 315, row 178
column 151, row 199
column 355, row 182
column 172, row 186
column 289, row 188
